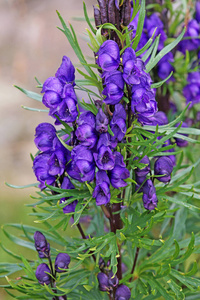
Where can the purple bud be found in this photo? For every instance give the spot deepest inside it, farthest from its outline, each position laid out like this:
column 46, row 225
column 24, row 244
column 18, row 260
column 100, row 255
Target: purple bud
column 41, row 245
column 103, row 282
column 149, row 195
column 122, row 293
column 62, row 262
column 66, row 71
column 101, row 121
column 41, row 274
column 163, row 166
column 108, row 56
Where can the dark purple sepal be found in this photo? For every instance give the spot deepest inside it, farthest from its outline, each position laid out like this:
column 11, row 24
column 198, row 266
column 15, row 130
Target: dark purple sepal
column 103, row 282
column 163, row 166
column 44, row 136
column 122, row 293
column 41, row 245
column 66, row 71
column 114, row 87
column 105, row 159
column 149, row 195
column 117, row 176
column 62, row 262
column 41, row 274
column 101, row 121
column 108, row 56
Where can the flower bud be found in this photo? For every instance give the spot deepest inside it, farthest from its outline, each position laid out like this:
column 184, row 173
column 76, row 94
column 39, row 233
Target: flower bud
column 103, row 282
column 149, row 195
column 41, row 274
column 163, row 166
column 122, row 293
column 62, row 262
column 41, row 245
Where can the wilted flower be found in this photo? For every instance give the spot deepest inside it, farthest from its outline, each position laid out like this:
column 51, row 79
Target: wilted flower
column 41, row 274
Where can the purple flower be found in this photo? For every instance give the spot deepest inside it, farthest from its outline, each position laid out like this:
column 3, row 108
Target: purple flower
column 101, row 121
column 149, row 195
column 146, row 169
column 45, row 134
column 122, row 293
column 66, row 71
column 41, row 245
column 41, row 274
column 192, row 33
column 41, row 170
column 102, row 190
column 108, row 56
column 118, row 123
column 180, row 142
column 197, row 10
column 117, row 176
column 133, row 68
column 163, row 166
column 152, row 23
column 114, row 87
column 192, row 90
column 66, row 110
column 82, row 167
column 143, row 101
column 103, row 282
column 53, row 89
column 165, row 67
column 62, row 262
column 105, row 159
column 86, row 132
column 67, row 185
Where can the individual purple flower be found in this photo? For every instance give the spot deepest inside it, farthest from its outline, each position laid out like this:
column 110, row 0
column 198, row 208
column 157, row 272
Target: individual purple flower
column 66, row 71
column 144, row 170
column 108, row 56
column 102, row 191
column 192, row 33
column 113, row 280
column 52, row 89
column 152, row 23
column 66, row 110
column 86, row 132
column 41, row 245
column 163, row 166
column 143, row 101
column 165, row 66
column 62, row 262
column 149, row 195
column 133, row 68
column 101, row 121
column 180, row 142
column 67, row 185
column 114, row 87
column 41, row 170
column 82, row 167
column 122, row 293
column 118, row 123
column 117, row 176
column 105, row 159
column 103, row 282
column 45, row 133
column 42, row 274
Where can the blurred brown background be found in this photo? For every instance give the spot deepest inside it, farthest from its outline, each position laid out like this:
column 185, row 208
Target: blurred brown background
column 30, row 45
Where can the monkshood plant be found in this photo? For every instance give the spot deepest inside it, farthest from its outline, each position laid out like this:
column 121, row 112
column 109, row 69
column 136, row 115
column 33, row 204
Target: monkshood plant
column 112, row 165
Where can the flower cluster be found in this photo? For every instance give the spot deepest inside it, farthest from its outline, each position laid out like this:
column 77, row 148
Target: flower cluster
column 129, row 77
column 44, row 273
column 109, row 283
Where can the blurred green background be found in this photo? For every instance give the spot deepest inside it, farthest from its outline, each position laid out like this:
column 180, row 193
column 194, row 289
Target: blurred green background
column 30, row 45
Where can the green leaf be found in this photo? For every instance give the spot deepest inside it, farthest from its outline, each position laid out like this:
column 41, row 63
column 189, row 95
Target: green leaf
column 158, row 84
column 94, row 43
column 30, row 94
column 22, row 186
column 146, row 46
column 34, row 109
column 140, row 24
column 164, row 51
column 87, row 18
